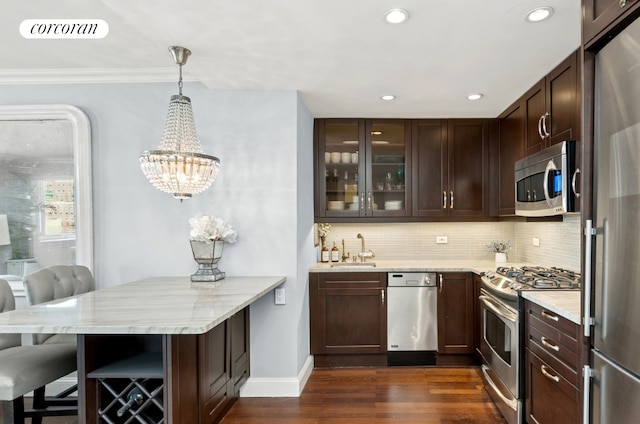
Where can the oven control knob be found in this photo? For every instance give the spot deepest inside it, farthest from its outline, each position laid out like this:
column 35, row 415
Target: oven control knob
column 515, row 286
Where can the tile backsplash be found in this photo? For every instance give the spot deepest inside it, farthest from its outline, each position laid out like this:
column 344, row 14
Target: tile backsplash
column 559, row 241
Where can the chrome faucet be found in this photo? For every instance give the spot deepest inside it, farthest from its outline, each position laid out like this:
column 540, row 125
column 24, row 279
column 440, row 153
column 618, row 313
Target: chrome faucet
column 345, row 255
column 363, row 253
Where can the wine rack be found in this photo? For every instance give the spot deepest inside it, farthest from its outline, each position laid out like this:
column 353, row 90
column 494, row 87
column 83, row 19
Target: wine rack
column 131, row 390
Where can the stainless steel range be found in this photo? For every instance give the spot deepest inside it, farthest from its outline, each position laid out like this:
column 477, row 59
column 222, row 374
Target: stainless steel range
column 502, row 341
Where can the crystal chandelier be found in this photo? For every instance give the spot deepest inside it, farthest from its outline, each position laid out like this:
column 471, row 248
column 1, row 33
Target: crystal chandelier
column 179, row 166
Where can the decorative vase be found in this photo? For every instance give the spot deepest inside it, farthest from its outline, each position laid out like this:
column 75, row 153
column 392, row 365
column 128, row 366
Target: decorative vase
column 501, row 258
column 207, row 254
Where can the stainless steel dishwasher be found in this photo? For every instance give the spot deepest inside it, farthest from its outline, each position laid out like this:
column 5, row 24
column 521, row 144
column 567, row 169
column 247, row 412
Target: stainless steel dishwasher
column 412, row 318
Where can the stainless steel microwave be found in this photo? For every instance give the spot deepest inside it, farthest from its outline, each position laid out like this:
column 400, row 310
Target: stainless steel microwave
column 545, row 182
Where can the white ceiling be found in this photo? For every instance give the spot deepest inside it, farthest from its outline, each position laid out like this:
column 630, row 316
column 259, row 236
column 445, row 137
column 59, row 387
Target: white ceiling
column 339, row 54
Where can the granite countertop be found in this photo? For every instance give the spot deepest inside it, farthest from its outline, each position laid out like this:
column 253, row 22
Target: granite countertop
column 417, row 265
column 160, row 305
column 564, row 303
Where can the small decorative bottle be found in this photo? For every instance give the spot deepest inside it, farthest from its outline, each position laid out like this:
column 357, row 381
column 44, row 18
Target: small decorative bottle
column 324, row 253
column 335, row 253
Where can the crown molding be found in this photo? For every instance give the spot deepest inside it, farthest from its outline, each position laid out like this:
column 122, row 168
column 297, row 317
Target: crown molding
column 91, row 76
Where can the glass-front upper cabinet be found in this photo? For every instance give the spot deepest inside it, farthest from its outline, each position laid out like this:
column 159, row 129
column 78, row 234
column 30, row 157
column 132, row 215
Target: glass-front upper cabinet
column 362, row 168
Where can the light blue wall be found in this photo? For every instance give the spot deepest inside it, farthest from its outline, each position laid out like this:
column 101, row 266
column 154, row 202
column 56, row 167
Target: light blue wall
column 264, row 189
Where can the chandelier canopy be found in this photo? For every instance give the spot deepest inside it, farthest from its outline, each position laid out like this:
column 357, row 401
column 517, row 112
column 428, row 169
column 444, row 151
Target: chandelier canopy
column 179, row 166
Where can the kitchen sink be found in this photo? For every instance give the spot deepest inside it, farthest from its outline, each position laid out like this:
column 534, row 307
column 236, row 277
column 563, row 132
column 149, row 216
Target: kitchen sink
column 353, row 265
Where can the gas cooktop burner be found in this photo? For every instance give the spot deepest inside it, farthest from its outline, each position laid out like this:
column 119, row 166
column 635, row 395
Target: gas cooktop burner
column 510, row 280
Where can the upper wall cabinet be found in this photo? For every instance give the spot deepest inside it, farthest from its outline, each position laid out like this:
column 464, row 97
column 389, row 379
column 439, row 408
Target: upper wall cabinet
column 450, row 168
column 601, row 15
column 547, row 114
column 362, row 168
column 401, row 170
column 552, row 108
column 510, row 149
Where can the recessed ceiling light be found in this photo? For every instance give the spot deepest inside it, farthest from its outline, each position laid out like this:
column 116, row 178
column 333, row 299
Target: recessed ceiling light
column 475, row 96
column 376, row 132
column 388, row 97
column 539, row 14
column 379, row 142
column 350, row 142
column 396, row 16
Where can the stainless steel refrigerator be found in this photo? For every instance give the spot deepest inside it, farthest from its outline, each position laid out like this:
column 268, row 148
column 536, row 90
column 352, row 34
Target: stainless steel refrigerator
column 612, row 380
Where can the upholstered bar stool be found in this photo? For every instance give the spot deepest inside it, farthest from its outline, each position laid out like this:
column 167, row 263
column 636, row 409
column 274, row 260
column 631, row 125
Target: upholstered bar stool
column 28, row 368
column 54, row 283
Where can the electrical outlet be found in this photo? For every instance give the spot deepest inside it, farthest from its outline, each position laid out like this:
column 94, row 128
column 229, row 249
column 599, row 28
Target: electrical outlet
column 536, row 241
column 442, row 240
column 280, row 297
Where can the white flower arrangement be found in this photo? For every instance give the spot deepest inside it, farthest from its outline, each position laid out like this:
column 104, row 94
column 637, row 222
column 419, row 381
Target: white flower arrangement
column 207, row 228
column 499, row 246
column 323, row 229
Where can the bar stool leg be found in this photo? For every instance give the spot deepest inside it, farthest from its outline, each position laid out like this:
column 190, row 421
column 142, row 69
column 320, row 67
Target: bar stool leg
column 13, row 411
column 38, row 403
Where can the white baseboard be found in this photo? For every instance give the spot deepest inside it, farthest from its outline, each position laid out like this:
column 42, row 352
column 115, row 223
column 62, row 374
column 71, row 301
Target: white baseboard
column 278, row 387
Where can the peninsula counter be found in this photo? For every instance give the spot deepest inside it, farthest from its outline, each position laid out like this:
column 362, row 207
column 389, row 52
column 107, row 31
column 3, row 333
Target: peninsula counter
column 184, row 344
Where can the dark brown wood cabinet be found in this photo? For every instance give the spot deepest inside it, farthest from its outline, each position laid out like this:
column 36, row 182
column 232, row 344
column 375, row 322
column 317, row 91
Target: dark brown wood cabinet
column 348, row 318
column 224, row 360
column 450, row 168
column 510, row 149
column 477, row 317
column 601, row 16
column 455, row 313
column 552, row 367
column 362, row 169
column 552, row 107
column 199, row 374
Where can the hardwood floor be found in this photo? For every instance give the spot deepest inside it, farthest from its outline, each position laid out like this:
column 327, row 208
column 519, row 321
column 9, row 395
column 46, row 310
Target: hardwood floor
column 398, row 395
column 377, row 395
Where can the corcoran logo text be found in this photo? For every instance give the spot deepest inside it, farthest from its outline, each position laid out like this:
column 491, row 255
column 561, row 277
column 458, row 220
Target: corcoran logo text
column 64, row 28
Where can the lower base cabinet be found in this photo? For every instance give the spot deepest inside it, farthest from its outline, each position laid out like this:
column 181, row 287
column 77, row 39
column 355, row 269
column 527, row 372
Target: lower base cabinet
column 553, row 399
column 348, row 318
column 182, row 378
column 552, row 367
column 455, row 313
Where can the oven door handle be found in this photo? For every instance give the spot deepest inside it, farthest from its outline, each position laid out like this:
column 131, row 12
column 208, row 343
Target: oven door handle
column 498, row 309
column 512, row 403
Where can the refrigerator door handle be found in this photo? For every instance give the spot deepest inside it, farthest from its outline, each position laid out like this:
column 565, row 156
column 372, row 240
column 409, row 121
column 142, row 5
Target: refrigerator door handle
column 587, row 320
column 586, row 394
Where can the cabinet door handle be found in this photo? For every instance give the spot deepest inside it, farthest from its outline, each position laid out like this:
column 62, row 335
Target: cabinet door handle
column 444, row 200
column 547, row 374
column 362, row 205
column 451, row 207
column 540, row 127
column 549, row 316
column 544, row 125
column 441, row 281
column 369, row 203
column 382, row 297
column 548, row 344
